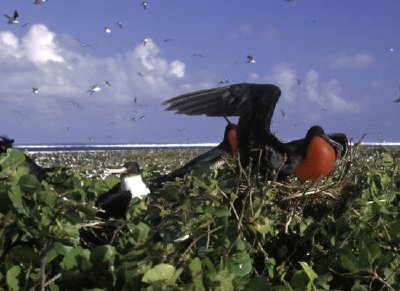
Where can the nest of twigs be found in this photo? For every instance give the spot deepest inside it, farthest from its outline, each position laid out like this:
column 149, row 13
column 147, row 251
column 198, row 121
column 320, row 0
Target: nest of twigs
column 316, row 198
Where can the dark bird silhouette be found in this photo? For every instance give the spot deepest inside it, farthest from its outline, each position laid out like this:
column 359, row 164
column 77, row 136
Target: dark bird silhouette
column 397, row 100
column 12, row 19
column 255, row 105
column 115, row 202
column 212, row 158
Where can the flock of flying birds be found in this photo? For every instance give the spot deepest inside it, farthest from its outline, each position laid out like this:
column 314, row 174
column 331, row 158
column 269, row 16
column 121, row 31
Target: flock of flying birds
column 14, row 19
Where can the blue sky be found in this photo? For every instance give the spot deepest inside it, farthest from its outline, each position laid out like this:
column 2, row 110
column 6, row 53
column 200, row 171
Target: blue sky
column 337, row 63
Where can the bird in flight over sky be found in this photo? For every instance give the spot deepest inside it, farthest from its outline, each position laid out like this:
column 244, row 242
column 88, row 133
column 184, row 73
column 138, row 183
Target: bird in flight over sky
column 12, row 19
column 95, row 88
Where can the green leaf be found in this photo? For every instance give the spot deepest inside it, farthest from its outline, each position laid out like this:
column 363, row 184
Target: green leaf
column 161, row 272
column 22, row 254
column 197, row 271
column 309, row 271
column 15, row 196
column 12, row 277
column 300, row 281
column 240, row 264
column 103, row 254
column 348, row 261
column 257, row 284
column 76, row 259
column 29, row 184
column 13, row 159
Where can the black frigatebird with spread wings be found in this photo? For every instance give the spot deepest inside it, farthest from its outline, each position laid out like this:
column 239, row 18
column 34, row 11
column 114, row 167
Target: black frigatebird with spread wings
column 309, row 158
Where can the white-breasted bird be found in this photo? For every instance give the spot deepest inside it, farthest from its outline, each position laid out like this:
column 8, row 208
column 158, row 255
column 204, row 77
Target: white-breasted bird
column 95, row 88
column 115, row 202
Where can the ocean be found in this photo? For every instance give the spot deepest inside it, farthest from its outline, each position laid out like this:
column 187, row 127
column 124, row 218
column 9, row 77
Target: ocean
column 125, row 147
column 76, row 147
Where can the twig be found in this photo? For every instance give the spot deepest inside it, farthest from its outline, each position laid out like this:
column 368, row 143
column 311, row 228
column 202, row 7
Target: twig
column 197, row 239
column 231, row 204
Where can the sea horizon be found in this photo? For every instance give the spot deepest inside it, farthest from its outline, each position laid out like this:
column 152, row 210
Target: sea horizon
column 59, row 147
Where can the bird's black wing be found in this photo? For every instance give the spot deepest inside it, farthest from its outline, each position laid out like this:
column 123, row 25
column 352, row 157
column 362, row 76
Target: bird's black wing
column 16, row 14
column 254, row 103
column 233, row 100
column 207, row 159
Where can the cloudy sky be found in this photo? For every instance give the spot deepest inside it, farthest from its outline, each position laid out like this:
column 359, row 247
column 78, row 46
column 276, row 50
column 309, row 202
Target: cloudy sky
column 337, row 63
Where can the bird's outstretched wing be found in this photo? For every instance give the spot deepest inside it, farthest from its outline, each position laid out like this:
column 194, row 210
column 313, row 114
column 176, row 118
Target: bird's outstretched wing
column 233, row 100
column 253, row 103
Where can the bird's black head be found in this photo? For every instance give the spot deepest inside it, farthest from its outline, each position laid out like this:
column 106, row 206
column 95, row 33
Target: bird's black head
column 337, row 140
column 5, row 143
column 314, row 131
column 132, row 168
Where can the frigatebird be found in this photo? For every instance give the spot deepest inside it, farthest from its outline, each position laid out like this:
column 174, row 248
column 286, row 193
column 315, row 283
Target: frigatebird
column 115, row 202
column 255, row 105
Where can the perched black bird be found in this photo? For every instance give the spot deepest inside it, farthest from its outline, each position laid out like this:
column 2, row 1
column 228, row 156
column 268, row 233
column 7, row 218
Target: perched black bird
column 211, row 158
column 255, row 105
column 5, row 143
column 115, row 202
column 313, row 156
column 113, row 206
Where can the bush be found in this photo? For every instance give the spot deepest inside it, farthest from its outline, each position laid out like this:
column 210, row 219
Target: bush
column 209, row 230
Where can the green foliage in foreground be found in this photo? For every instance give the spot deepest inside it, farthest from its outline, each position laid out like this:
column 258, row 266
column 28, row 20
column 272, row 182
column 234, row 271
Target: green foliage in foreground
column 209, row 231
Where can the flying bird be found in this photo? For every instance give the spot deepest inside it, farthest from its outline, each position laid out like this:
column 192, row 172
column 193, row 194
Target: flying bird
column 145, row 41
column 95, row 88
column 107, row 82
column 35, row 90
column 198, row 55
column 12, row 19
column 223, row 82
column 39, row 1
column 250, row 60
column 255, row 105
column 76, row 104
column 107, row 29
column 144, row 5
column 119, row 23
column 397, row 100
column 83, row 44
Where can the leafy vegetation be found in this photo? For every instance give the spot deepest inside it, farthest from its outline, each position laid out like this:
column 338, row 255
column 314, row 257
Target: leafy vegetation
column 211, row 230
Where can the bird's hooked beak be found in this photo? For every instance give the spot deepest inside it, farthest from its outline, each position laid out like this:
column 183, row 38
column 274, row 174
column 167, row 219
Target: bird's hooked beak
column 337, row 146
column 118, row 171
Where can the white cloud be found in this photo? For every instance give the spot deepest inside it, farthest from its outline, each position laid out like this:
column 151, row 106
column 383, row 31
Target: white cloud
column 40, row 45
column 328, row 94
column 9, row 44
column 38, row 59
column 286, row 77
column 344, row 60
